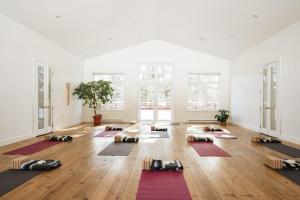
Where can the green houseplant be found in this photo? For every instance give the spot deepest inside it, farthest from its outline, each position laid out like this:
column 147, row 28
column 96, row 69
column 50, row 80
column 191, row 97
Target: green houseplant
column 95, row 94
column 222, row 117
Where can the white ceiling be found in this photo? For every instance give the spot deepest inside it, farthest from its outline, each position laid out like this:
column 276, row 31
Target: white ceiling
column 89, row 28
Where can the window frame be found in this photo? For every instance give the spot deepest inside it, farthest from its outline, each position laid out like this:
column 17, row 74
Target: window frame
column 219, row 93
column 123, row 88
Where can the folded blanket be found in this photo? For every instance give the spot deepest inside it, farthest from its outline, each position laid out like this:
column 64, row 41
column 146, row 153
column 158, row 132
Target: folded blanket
column 153, row 128
column 110, row 128
column 58, row 138
column 40, row 165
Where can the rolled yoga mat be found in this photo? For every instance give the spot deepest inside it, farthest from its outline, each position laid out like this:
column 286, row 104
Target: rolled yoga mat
column 107, row 133
column 293, row 175
column 117, row 149
column 285, row 149
column 209, row 149
column 32, row 148
column 162, row 185
column 11, row 179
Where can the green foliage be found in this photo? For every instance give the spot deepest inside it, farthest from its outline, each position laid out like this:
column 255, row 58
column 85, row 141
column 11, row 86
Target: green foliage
column 95, row 93
column 222, row 116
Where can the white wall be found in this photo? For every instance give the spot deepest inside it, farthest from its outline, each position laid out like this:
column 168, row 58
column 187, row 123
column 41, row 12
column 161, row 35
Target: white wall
column 244, row 72
column 184, row 61
column 18, row 46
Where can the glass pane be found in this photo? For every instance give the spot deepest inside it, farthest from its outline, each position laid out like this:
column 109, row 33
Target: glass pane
column 265, row 86
column 147, row 114
column 273, row 97
column 164, row 114
column 41, row 103
column 147, row 73
column 147, row 96
column 164, row 96
column 49, row 99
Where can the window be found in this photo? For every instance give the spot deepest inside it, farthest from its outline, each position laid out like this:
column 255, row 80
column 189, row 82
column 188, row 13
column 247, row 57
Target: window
column 203, row 91
column 117, row 83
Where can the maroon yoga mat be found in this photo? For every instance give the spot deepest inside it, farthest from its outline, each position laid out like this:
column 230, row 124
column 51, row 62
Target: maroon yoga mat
column 209, row 149
column 107, row 134
column 162, row 185
column 32, row 148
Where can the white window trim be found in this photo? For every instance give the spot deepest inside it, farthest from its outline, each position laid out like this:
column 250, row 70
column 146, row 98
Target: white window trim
column 219, row 92
column 122, row 74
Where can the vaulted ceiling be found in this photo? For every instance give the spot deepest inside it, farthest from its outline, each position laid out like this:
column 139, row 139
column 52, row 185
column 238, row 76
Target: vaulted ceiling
column 89, row 28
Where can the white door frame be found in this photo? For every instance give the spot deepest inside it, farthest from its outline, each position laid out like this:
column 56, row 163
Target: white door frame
column 267, row 131
column 155, row 83
column 48, row 127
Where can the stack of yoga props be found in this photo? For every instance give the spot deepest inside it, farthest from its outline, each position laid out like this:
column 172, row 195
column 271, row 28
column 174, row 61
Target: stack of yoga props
column 289, row 168
column 209, row 129
column 154, row 128
column 126, row 138
column 276, row 145
column 58, row 138
column 22, row 170
column 198, row 138
column 204, row 146
column 151, row 164
column 162, row 180
column 265, row 139
column 111, row 128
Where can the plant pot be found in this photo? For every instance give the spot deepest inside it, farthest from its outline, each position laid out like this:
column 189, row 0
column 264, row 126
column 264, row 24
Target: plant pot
column 97, row 120
column 223, row 123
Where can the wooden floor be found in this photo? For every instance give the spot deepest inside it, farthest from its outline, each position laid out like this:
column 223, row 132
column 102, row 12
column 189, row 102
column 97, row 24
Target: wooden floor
column 85, row 175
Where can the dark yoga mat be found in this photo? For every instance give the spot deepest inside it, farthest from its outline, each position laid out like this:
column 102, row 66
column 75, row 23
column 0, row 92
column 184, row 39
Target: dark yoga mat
column 107, row 133
column 160, row 185
column 293, row 175
column 209, row 149
column 11, row 179
column 285, row 149
column 117, row 149
column 32, row 148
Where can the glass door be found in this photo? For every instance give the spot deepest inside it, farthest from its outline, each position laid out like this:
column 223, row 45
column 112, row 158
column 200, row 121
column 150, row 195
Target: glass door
column 43, row 86
column 155, row 92
column 269, row 100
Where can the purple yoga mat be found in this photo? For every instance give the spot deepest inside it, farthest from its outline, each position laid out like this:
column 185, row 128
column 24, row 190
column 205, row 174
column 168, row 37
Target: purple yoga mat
column 160, row 185
column 107, row 134
column 209, row 149
column 32, row 148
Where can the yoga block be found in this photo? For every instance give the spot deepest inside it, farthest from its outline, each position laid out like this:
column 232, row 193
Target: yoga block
column 118, row 138
column 273, row 162
column 206, row 129
column 16, row 163
column 256, row 139
column 147, row 163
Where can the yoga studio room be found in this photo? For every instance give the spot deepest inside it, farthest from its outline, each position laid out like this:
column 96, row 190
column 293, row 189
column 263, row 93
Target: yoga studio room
column 149, row 99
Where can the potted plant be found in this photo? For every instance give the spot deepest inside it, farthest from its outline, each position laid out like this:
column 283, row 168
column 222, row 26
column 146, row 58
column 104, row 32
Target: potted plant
column 95, row 94
column 222, row 117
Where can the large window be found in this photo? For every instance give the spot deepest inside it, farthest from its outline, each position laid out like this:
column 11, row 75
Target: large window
column 203, row 91
column 117, row 82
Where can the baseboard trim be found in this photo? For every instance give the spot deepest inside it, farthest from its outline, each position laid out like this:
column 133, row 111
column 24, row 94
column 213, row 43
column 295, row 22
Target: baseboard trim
column 68, row 125
column 16, row 139
column 290, row 139
column 246, row 126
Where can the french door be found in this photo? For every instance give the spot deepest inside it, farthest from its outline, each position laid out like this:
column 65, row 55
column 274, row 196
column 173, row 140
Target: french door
column 270, row 112
column 155, row 92
column 43, row 117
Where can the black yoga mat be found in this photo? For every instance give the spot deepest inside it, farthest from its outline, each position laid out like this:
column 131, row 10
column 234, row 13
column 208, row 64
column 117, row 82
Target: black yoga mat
column 11, row 179
column 117, row 149
column 285, row 149
column 293, row 175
